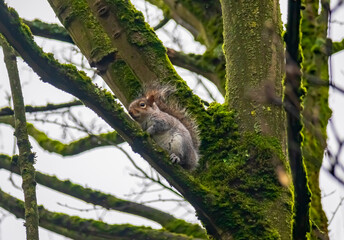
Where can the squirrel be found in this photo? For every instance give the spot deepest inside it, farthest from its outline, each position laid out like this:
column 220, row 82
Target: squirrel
column 169, row 125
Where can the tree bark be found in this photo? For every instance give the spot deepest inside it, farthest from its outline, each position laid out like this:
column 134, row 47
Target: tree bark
column 255, row 64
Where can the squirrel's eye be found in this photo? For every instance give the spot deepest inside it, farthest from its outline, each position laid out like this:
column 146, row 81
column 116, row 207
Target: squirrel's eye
column 142, row 104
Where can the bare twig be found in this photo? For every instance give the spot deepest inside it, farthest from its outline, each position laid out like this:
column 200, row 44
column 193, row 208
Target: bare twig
column 336, row 210
column 162, row 200
column 328, row 194
column 94, row 208
column 146, row 175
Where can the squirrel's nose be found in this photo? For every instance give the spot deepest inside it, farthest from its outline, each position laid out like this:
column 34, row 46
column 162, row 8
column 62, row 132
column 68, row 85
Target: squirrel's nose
column 132, row 114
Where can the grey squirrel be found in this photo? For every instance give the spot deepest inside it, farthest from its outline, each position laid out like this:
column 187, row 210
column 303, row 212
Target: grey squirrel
column 168, row 125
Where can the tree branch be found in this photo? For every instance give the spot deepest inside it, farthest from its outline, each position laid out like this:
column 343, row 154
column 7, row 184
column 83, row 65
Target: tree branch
column 71, row 148
column 78, row 228
column 337, row 46
column 191, row 62
column 49, row 107
column 108, row 201
column 48, row 30
column 200, row 23
column 316, row 51
column 26, row 157
column 199, row 64
column 161, row 23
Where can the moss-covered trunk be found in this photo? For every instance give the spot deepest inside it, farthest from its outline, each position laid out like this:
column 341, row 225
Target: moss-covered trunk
column 253, row 49
column 254, row 56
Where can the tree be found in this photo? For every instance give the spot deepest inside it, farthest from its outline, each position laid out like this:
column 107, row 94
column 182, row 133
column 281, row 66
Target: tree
column 251, row 144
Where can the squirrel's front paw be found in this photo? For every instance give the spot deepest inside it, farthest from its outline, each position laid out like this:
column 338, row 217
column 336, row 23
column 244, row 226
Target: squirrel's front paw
column 174, row 158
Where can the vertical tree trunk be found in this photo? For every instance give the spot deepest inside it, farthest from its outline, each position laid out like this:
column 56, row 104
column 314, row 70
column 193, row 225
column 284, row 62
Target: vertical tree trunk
column 255, row 60
column 254, row 54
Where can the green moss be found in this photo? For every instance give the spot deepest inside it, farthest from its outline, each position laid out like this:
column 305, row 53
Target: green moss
column 316, row 110
column 101, row 47
column 210, row 15
column 126, row 79
column 240, row 172
column 180, row 226
column 220, row 124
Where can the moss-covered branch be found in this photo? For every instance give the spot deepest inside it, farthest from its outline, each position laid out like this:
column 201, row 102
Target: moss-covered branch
column 96, row 46
column 48, row 30
column 196, row 63
column 78, row 228
column 67, row 78
column 202, row 19
column 49, row 107
column 337, row 46
column 71, row 148
column 108, row 201
column 26, row 157
column 200, row 64
column 135, row 41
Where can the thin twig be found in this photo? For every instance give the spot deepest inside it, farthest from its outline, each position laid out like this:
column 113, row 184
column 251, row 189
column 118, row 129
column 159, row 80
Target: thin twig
column 336, row 210
column 26, row 157
column 79, row 209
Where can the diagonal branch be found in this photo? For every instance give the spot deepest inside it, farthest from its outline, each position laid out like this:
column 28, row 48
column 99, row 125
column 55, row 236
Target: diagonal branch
column 78, row 228
column 199, row 64
column 191, row 62
column 337, row 46
column 141, row 50
column 26, row 156
column 108, row 201
column 48, row 30
column 201, row 18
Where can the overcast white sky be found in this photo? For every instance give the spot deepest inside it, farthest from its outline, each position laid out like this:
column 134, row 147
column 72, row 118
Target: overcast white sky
column 107, row 169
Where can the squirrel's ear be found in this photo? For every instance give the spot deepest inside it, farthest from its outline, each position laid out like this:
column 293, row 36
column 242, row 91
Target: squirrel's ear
column 150, row 100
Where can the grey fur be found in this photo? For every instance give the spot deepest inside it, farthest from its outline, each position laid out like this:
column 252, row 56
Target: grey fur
column 169, row 133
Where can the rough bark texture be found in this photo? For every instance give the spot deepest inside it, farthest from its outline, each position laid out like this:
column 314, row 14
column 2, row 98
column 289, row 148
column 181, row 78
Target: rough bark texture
column 254, row 55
